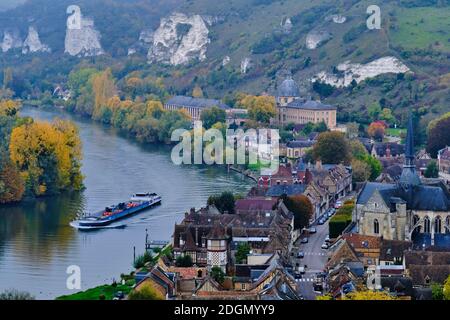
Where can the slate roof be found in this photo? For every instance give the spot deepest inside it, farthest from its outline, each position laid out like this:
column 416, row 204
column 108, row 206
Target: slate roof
column 288, row 88
column 391, row 249
column 185, row 101
column 251, row 204
column 310, row 105
column 402, row 286
column 300, row 144
column 279, row 190
column 395, row 149
column 424, row 197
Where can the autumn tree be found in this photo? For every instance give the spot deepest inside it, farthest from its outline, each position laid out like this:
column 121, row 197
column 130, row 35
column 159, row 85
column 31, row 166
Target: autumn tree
column 146, row 292
column 302, row 209
column 48, row 156
column 197, row 92
column 438, row 134
column 368, row 295
column 260, row 108
column 446, row 289
column 12, row 186
column 103, row 88
column 376, row 130
column 332, row 148
column 361, row 170
column 212, row 115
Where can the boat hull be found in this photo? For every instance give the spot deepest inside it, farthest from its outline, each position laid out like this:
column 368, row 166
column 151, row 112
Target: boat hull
column 97, row 221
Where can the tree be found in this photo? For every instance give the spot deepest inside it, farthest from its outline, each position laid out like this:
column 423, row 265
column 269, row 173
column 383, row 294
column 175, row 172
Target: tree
column 197, row 92
column 432, row 170
column 217, row 274
column 386, row 115
column 260, row 108
column 352, row 130
column 446, row 289
column 361, row 170
column 146, row 292
column 103, row 88
column 142, row 260
column 302, row 209
column 438, row 134
column 13, row 294
column 213, row 115
column 48, row 156
column 12, row 186
column 357, row 149
column 323, row 89
column 224, row 202
column 437, row 291
column 242, row 251
column 376, row 130
column 332, row 147
column 374, row 111
column 369, row 295
column 184, row 261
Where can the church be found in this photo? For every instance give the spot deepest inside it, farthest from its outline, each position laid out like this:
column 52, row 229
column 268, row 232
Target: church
column 291, row 108
column 407, row 210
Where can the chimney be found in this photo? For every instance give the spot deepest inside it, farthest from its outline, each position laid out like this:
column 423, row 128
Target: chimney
column 388, row 152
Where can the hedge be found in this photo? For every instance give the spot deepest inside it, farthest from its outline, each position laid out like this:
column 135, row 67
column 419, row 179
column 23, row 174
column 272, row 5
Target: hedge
column 341, row 220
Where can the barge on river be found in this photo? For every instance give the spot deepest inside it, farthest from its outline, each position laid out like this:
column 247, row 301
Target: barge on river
column 103, row 218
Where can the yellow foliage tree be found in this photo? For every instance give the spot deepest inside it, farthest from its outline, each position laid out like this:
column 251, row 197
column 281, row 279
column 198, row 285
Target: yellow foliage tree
column 260, row 108
column 197, row 92
column 103, row 88
column 9, row 108
column 369, row 295
column 47, row 155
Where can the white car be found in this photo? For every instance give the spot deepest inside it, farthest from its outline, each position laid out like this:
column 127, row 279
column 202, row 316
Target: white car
column 312, row 230
column 324, row 246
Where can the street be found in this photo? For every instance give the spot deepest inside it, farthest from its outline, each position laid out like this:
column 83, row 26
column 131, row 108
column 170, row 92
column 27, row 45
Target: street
column 315, row 259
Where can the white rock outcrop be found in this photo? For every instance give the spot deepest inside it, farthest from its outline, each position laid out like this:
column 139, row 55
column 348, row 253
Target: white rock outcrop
column 11, row 40
column 316, row 37
column 83, row 41
column 246, row 64
column 336, row 18
column 359, row 72
column 33, row 43
column 171, row 47
column 286, row 25
column 226, row 60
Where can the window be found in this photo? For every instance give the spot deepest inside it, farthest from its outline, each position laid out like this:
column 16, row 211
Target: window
column 426, row 225
column 243, row 286
column 437, row 224
column 376, row 226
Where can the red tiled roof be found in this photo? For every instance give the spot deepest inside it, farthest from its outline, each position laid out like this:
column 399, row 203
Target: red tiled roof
column 256, row 203
column 359, row 241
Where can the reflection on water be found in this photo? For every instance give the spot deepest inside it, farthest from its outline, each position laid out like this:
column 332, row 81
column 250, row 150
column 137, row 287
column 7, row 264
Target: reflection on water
column 37, row 244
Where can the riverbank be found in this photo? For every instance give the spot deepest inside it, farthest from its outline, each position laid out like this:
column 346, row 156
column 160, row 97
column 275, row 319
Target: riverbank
column 36, row 235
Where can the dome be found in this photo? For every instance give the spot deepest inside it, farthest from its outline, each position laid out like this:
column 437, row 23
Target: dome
column 288, row 88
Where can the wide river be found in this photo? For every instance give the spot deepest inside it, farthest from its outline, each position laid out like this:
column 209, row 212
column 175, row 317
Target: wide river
column 37, row 244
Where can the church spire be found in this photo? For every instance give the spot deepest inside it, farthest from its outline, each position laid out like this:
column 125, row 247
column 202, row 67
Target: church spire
column 409, row 175
column 409, row 150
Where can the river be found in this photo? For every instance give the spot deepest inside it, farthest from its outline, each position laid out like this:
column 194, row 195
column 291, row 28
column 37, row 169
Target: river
column 37, row 244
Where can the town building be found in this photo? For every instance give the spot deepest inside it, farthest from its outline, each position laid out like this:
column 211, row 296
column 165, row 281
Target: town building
column 444, row 160
column 406, row 210
column 194, row 106
column 292, row 108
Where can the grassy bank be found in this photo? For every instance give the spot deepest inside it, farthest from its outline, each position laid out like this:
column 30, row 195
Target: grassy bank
column 103, row 292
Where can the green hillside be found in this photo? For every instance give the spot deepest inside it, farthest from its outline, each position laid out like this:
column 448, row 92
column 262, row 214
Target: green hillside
column 415, row 31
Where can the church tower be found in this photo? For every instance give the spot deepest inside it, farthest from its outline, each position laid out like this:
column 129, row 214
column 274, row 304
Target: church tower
column 409, row 178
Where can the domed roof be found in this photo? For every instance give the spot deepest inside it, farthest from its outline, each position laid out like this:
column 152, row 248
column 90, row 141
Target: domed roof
column 288, row 88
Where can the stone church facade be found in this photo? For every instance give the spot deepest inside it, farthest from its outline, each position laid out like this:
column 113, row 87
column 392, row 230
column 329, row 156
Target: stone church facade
column 407, row 210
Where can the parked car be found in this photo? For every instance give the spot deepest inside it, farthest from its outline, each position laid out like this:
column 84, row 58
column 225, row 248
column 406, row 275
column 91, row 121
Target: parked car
column 301, row 270
column 312, row 230
column 324, row 246
column 300, row 255
column 304, row 240
column 317, row 286
column 119, row 295
column 338, row 204
column 297, row 275
column 330, row 214
column 327, row 239
column 321, row 221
